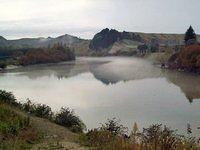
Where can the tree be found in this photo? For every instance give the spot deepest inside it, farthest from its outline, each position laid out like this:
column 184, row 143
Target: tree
column 114, row 127
column 190, row 36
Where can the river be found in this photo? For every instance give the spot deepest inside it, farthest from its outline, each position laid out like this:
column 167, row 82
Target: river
column 128, row 88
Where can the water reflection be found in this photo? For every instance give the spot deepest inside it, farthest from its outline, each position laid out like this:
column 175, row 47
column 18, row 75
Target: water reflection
column 128, row 88
column 111, row 70
column 189, row 84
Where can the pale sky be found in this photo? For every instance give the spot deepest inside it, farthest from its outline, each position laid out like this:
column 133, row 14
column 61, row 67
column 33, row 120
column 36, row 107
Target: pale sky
column 84, row 18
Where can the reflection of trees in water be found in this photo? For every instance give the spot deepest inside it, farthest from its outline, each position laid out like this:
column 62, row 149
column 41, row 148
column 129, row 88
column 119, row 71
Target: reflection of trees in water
column 35, row 72
column 111, row 74
column 189, row 84
column 60, row 71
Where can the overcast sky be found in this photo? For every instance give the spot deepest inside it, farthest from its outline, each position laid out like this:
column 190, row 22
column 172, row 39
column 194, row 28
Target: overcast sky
column 83, row 18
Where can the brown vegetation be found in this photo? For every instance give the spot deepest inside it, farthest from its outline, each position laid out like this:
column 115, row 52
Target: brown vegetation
column 188, row 59
column 55, row 54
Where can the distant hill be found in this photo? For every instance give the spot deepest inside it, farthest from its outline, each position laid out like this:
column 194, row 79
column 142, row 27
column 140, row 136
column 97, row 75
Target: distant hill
column 113, row 42
column 68, row 40
column 106, row 42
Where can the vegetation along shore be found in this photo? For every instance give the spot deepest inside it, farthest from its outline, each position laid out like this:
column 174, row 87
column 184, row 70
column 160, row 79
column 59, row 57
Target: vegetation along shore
column 34, row 126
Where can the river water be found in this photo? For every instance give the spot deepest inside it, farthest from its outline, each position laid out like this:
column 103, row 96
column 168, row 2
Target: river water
column 128, row 88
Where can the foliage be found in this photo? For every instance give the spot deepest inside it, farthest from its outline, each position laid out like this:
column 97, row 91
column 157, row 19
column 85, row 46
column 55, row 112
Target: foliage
column 142, row 48
column 155, row 137
column 55, row 54
column 12, row 122
column 67, row 118
column 188, row 59
column 190, row 35
column 104, row 140
column 39, row 110
column 29, row 56
column 154, row 45
column 114, row 127
column 8, row 97
column 166, row 55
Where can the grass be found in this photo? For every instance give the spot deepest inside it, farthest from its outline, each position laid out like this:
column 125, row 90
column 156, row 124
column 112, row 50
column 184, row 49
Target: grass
column 25, row 125
column 15, row 129
column 13, row 121
column 112, row 136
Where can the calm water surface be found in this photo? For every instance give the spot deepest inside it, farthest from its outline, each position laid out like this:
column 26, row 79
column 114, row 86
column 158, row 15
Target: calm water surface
column 128, row 88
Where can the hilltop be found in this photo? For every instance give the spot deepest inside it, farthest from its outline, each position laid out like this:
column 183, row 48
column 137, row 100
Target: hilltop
column 41, row 42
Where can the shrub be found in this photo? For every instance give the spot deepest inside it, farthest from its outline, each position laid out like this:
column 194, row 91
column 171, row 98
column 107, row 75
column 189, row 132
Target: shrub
column 154, row 137
column 188, row 59
column 55, row 54
column 7, row 97
column 39, row 110
column 114, row 127
column 67, row 118
column 43, row 111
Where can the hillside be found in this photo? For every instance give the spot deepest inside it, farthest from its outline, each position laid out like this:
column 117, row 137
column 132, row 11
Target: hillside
column 106, row 42
column 67, row 40
column 113, row 42
column 31, row 126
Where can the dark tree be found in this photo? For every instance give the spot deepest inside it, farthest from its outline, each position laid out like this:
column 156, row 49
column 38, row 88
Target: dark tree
column 190, row 35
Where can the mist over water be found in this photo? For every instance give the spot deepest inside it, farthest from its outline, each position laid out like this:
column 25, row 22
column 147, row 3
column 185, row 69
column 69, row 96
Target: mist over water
column 128, row 88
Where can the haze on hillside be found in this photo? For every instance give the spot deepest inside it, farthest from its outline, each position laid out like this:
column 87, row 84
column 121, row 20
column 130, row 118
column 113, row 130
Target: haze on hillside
column 84, row 18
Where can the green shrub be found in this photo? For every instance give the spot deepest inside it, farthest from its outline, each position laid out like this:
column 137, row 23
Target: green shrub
column 7, row 97
column 67, row 118
column 43, row 111
column 154, row 137
column 114, row 127
column 39, row 110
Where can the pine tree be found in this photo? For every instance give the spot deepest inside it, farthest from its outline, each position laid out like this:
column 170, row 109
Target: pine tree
column 190, row 35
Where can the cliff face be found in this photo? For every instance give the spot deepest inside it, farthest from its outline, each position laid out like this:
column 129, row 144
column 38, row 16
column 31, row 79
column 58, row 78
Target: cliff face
column 107, row 38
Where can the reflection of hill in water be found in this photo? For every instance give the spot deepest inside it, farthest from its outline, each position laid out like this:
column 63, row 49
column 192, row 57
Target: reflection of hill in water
column 60, row 70
column 114, row 72
column 111, row 72
column 189, row 84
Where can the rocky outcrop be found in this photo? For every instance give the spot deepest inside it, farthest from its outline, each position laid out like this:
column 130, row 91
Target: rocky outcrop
column 107, row 38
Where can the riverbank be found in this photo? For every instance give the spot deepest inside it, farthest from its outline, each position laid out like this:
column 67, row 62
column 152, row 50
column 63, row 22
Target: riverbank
column 30, row 126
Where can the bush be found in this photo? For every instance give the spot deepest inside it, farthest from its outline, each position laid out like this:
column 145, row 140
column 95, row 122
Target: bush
column 154, row 137
column 110, row 136
column 43, row 111
column 67, row 118
column 188, row 59
column 7, row 97
column 114, row 127
column 39, row 110
column 55, row 54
